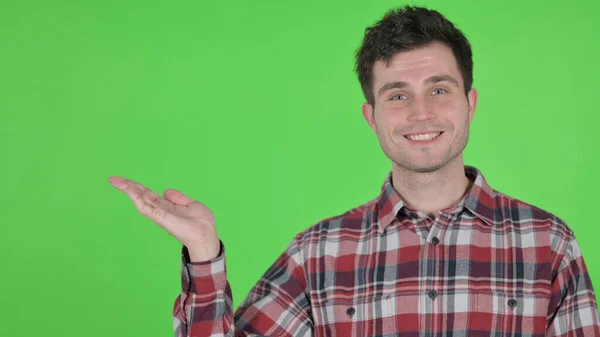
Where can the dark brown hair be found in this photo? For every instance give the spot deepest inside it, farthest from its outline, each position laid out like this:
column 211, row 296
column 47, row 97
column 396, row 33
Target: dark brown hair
column 405, row 29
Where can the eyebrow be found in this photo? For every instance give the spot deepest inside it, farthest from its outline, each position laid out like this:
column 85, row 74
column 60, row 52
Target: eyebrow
column 429, row 80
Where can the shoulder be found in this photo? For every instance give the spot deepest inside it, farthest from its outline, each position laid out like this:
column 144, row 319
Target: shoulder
column 355, row 220
column 518, row 214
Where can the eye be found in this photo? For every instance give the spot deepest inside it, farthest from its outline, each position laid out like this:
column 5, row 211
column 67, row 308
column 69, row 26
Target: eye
column 400, row 97
column 439, row 91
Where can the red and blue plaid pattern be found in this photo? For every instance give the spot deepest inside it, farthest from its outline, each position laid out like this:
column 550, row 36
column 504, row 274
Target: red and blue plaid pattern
column 492, row 266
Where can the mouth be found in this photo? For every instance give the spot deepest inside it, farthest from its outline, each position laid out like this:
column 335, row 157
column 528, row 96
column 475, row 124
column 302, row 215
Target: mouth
column 424, row 138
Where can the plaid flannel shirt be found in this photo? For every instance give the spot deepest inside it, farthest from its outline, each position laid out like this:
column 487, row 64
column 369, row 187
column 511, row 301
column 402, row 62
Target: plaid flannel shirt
column 492, row 266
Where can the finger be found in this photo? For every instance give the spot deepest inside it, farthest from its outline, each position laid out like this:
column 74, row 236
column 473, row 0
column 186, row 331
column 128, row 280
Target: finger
column 117, row 182
column 150, row 204
column 157, row 210
column 138, row 193
column 177, row 197
column 147, row 202
column 123, row 183
column 127, row 184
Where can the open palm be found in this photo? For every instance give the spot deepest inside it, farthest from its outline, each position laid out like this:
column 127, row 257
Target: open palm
column 189, row 221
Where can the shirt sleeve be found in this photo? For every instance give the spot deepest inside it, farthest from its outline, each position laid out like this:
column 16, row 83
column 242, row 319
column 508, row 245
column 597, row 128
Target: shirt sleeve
column 573, row 310
column 278, row 305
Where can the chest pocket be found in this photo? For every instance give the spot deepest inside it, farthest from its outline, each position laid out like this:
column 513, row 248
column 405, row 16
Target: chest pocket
column 509, row 313
column 351, row 317
column 367, row 316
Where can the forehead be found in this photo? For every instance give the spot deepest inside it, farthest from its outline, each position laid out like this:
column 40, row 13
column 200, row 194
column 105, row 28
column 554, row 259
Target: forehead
column 416, row 65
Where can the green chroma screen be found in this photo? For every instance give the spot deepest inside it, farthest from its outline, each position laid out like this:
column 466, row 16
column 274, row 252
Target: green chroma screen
column 254, row 109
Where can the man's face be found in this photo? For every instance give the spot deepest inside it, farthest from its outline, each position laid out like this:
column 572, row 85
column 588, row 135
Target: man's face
column 421, row 93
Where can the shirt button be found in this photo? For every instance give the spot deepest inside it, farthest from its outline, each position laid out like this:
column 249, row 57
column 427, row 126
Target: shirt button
column 435, row 241
column 432, row 294
column 512, row 303
column 350, row 311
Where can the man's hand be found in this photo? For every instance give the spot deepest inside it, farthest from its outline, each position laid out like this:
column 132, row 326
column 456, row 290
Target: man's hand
column 189, row 221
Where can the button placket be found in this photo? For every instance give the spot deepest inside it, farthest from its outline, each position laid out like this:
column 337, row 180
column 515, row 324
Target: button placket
column 440, row 226
column 435, row 234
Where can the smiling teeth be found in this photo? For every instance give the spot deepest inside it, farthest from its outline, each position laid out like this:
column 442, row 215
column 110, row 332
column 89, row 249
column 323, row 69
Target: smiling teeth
column 428, row 136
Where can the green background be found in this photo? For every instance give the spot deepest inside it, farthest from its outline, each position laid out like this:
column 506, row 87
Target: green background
column 254, row 109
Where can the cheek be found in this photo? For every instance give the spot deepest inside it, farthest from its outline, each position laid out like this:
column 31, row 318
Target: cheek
column 449, row 104
column 389, row 121
column 391, row 112
column 454, row 110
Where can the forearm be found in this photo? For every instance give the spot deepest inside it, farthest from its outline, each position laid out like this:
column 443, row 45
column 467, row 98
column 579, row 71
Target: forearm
column 198, row 315
column 278, row 305
column 204, row 307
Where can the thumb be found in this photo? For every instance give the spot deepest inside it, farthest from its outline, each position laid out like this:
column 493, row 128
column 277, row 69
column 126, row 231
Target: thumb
column 177, row 197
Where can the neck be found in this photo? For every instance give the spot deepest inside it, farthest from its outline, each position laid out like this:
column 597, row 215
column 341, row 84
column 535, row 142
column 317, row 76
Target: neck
column 431, row 192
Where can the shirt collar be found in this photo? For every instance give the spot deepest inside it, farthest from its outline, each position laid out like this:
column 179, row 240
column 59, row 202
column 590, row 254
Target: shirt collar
column 480, row 199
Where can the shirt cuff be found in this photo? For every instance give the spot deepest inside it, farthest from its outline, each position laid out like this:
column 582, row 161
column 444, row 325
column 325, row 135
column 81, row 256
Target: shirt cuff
column 205, row 276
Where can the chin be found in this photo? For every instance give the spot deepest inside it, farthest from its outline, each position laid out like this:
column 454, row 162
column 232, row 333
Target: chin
column 421, row 167
column 426, row 169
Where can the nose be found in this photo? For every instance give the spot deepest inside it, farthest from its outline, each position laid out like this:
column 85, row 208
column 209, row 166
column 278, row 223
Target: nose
column 421, row 111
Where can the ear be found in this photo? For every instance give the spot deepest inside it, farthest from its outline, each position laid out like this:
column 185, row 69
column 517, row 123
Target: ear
column 472, row 100
column 368, row 114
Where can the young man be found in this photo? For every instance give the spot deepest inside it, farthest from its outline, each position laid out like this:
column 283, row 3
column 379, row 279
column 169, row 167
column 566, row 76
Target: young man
column 439, row 252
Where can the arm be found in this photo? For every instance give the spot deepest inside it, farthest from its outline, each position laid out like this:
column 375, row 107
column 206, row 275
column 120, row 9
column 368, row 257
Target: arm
column 203, row 287
column 278, row 305
column 573, row 310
